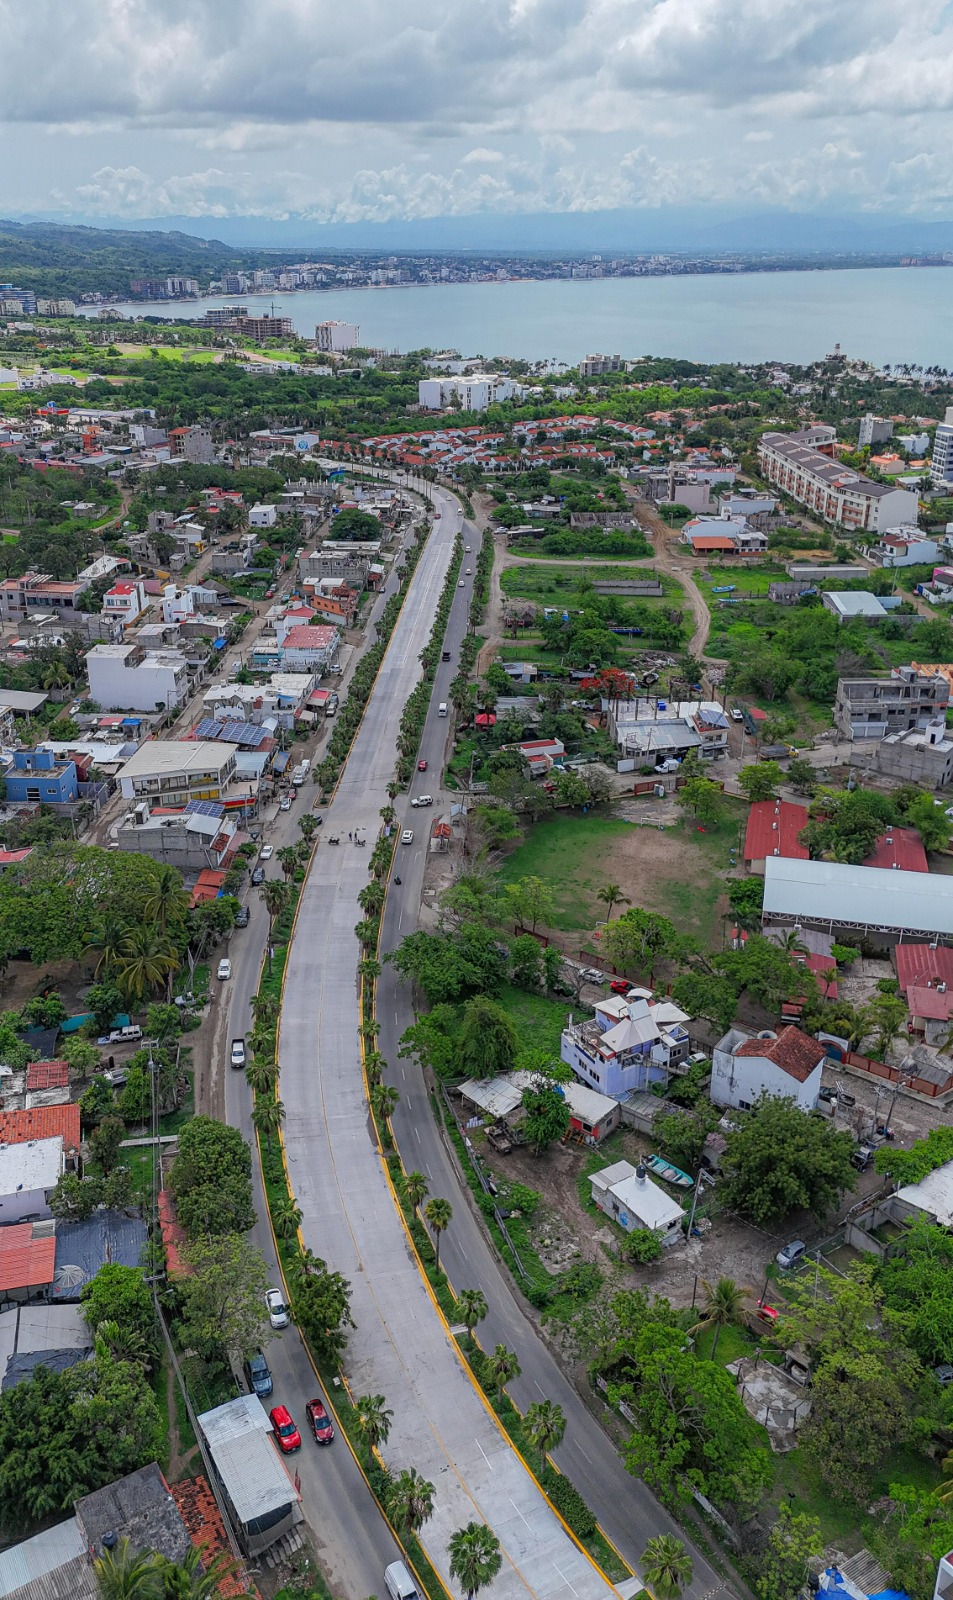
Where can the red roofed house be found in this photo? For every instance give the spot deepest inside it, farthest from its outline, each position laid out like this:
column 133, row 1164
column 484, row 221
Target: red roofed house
column 125, row 601
column 198, row 1510
column 42, row 1122
column 306, row 648
column 787, row 1064
column 47, row 1075
column 925, row 976
column 26, row 1261
column 901, row 848
column 773, row 828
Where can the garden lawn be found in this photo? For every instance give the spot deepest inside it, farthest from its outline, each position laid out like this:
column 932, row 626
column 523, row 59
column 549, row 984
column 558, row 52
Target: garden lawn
column 538, row 1020
column 570, row 853
column 841, row 1522
column 747, row 580
column 544, row 582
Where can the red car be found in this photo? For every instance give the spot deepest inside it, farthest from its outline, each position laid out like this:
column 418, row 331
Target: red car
column 285, row 1430
column 320, row 1421
column 421, row 766
column 620, row 986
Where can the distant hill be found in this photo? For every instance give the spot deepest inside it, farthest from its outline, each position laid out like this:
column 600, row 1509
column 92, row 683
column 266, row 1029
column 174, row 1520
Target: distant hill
column 60, row 259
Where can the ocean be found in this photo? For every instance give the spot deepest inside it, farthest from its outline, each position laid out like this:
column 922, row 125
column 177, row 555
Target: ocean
column 886, row 315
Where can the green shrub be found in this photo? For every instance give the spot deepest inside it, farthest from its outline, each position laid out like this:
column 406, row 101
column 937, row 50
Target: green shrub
column 569, row 1503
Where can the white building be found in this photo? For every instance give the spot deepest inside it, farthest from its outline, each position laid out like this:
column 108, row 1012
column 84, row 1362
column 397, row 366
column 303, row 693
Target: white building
column 628, row 1045
column 905, row 547
column 874, row 430
column 306, row 648
column 263, row 1501
column 29, row 1172
column 941, row 461
column 882, row 902
column 124, row 677
column 262, row 516
column 803, row 466
column 284, row 696
column 628, row 1195
column 174, row 771
column 337, row 337
column 125, row 601
column 787, row 1065
column 651, row 730
column 469, row 391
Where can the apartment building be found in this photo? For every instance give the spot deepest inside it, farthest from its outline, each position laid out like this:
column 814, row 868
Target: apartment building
column 873, row 708
column 126, row 677
column 802, row 465
column 941, row 461
column 37, row 591
column 874, row 430
column 125, row 601
column 195, row 444
column 595, row 366
column 469, row 392
column 627, row 1045
column 174, row 771
column 41, row 777
column 923, row 756
column 337, row 336
column 264, row 328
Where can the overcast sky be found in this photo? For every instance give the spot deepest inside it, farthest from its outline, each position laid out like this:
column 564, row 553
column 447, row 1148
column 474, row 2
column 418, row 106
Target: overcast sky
column 368, row 110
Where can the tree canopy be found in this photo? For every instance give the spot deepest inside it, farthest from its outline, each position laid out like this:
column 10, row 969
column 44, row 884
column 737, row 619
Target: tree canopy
column 779, row 1160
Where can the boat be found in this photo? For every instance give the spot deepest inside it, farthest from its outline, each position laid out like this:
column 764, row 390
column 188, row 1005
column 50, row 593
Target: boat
column 664, row 1169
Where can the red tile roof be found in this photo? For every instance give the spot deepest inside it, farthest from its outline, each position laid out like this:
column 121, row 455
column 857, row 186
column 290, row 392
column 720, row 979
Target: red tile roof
column 307, row 637
column 902, row 848
column 711, row 541
column 792, row 1051
column 25, row 1261
column 43, row 1122
column 926, row 1002
column 47, row 1075
column 197, row 1508
column 920, row 964
column 773, row 825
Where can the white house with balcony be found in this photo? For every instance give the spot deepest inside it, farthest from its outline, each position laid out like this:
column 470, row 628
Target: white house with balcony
column 787, row 1064
column 628, row 1045
column 125, row 601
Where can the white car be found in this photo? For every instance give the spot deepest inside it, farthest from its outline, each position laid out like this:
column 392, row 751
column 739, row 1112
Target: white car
column 266, row 852
column 736, row 715
column 467, row 548
column 469, row 572
column 422, row 800
column 407, row 837
column 277, row 1310
column 461, row 584
column 284, row 803
column 224, row 968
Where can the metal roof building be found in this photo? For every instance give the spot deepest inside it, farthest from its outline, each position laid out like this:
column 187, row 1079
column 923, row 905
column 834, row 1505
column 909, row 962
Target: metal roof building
column 262, row 1497
column 874, row 900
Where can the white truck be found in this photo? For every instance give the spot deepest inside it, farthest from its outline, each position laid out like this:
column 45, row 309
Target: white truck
column 300, row 773
column 238, row 1053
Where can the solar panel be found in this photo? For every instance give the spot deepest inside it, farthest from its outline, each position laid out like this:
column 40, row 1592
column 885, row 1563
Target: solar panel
column 243, row 733
column 208, row 729
column 205, row 808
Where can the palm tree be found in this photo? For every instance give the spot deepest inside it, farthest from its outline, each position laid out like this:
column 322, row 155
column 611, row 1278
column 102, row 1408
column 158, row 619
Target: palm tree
column 262, row 1074
column 195, row 1577
column 501, row 1368
column 384, row 1098
column 309, row 826
column 288, row 860
column 666, row 1566
column 392, row 789
column 410, row 1501
column 373, row 1419
column 167, row 904
column 109, row 938
column 374, row 1065
column 146, row 961
column 286, row 1217
column 416, row 1189
column 268, row 1117
column 472, row 1306
column 611, row 895
column 126, row 1574
column 723, row 1304
column 371, row 898
column 119, row 1343
column 275, row 895
column 545, row 1424
column 438, row 1213
column 475, row 1557
column 369, row 968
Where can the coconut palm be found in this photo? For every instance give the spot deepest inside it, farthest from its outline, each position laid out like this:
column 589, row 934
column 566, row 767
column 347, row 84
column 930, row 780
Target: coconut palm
column 475, row 1557
column 416, row 1189
column 166, row 904
column 472, row 1306
column 286, row 1217
column 545, row 1424
column 126, row 1574
column 438, row 1213
column 275, row 895
column 309, row 826
column 119, row 1344
column 262, row 1074
column 373, row 1419
column 666, row 1566
column 147, row 960
column 723, row 1305
column 374, row 1065
column 195, row 1577
column 501, row 1368
column 268, row 1116
column 410, row 1501
column 109, row 938
column 384, row 1098
column 611, row 895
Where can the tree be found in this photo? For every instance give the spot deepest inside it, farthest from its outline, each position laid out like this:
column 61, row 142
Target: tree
column 475, row 1557
column 666, row 1566
column 148, row 960
column 501, row 1368
column 917, row 1288
column 384, row 1100
column 769, row 974
column 275, row 896
column 930, row 821
column 722, row 1307
column 703, row 799
column 223, row 1299
column 546, row 1114
column 323, row 1305
column 194, row 1577
column 97, row 1102
column 121, row 1295
column 74, row 1199
column 802, row 776
column 268, row 1117
column 81, row 1057
column 286, row 1217
column 707, row 996
column 794, row 1544
column 472, row 1307
column 166, row 904
column 373, row 1420
column 211, row 1179
column 779, row 1160
column 410, row 1501
column 487, row 1043
column 126, row 1574
column 884, row 1016
column 545, row 1426
column 638, row 937
column 439, row 1214
column 641, row 1247
column 526, row 962
column 530, row 900
column 760, row 780
column 746, row 899
column 611, row 895
column 105, row 1141
column 416, row 1189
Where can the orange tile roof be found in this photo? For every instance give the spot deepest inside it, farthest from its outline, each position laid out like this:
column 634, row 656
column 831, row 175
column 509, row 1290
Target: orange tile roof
column 25, row 1261
column 197, row 1508
column 43, row 1122
column 47, row 1075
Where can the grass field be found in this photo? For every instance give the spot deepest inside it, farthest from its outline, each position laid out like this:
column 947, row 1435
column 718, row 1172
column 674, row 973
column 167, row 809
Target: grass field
column 571, row 854
column 752, row 580
column 551, row 585
column 538, row 1021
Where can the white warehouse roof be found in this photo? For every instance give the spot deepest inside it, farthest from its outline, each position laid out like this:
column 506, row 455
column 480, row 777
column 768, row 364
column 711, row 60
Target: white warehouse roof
column 877, row 898
column 238, row 1435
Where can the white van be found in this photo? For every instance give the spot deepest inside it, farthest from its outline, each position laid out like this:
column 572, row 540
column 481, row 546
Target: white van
column 442, row 709
column 398, row 1582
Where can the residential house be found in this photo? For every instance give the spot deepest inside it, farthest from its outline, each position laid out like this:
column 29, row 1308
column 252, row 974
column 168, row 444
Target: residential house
column 236, row 557
column 802, row 466
column 787, row 1065
column 756, row 508
column 541, row 755
column 628, row 1195
column 27, row 1263
column 198, row 837
column 650, row 731
column 172, row 772
column 871, row 708
column 263, row 1501
column 731, row 535
column 626, row 1046
column 923, row 756
column 125, row 601
column 593, row 1116
column 905, row 547
column 194, row 443
column 469, row 391
column 125, row 677
column 262, row 516
column 304, row 648
column 40, row 777
column 36, row 591
column 773, row 829
column 283, row 698
column 331, row 561
column 847, row 605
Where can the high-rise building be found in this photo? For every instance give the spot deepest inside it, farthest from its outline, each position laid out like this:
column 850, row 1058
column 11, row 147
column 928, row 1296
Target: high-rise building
column 941, row 462
column 873, row 430
column 337, row 336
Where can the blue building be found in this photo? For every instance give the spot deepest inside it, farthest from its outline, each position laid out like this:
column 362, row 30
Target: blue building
column 40, row 775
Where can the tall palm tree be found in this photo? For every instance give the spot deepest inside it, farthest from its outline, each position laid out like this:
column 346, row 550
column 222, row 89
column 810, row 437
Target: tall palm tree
column 268, row 1117
column 309, row 826
column 416, row 1189
column 410, row 1501
column 275, row 895
column 286, row 1217
column 262, row 1074
column 384, row 1098
column 666, row 1566
column 371, row 898
column 475, row 1557
column 472, row 1306
column 501, row 1368
column 126, row 1574
column 438, row 1213
column 723, row 1305
column 374, row 1418
column 108, row 939
column 611, row 895
column 147, row 960
column 288, row 860
column 166, row 904
column 545, row 1424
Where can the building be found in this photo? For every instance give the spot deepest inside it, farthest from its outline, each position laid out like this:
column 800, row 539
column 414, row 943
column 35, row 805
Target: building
column 199, row 837
column 924, row 756
column 871, row 708
column 264, row 328
column 283, row 698
column 125, row 601
column 29, row 1172
column 39, row 777
column 628, row 1195
column 941, row 460
column 756, row 508
column 592, row 1115
column 27, row 1264
column 773, row 829
column 848, row 605
column 787, row 1065
column 174, row 771
column 306, row 648
column 37, row 591
column 468, row 392
column 802, row 466
column 649, row 732
column 595, row 366
column 626, row 1046
column 345, row 566
column 261, row 1497
column 194, row 443
column 905, row 547
column 125, row 677
column 884, row 904
column 874, row 430
column 337, row 337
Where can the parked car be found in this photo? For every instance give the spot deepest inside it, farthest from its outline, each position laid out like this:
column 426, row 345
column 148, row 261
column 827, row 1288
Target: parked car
column 243, row 917
column 736, row 715
column 286, row 1431
column 421, row 766
column 224, row 969
column 258, row 1375
column 861, row 1157
column 284, row 804
column 619, row 986
column 277, row 1310
column 593, row 975
column 257, row 877
column 407, row 837
column 790, row 1254
column 422, row 800
column 319, row 1421
column 266, row 852
column 825, row 1092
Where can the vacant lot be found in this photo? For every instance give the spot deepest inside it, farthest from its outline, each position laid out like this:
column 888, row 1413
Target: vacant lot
column 548, row 585
column 747, row 580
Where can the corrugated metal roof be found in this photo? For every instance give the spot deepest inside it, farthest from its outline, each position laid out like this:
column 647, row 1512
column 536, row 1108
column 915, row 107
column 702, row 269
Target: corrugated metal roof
column 41, row 1557
column 873, row 897
column 238, row 1435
